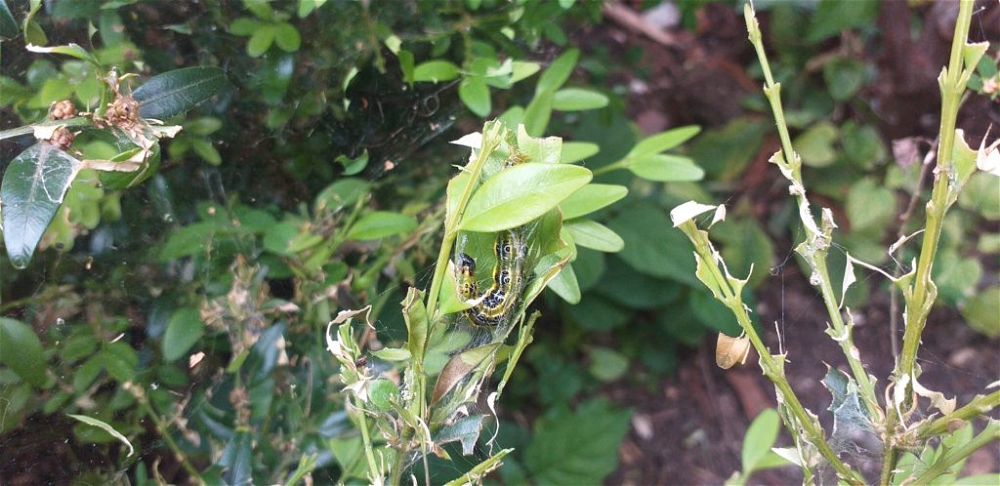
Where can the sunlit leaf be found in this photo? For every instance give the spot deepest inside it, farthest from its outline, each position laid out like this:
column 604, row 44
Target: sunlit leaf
column 520, row 194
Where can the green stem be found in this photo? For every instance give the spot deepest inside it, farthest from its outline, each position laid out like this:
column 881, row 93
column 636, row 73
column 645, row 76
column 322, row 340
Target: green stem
column 367, row 441
column 951, row 92
column 817, row 244
column 979, row 406
column 772, row 369
column 951, row 457
column 920, row 296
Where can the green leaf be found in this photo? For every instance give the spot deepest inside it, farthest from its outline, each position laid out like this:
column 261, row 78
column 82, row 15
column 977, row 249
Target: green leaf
column 287, row 37
column 476, row 95
column 980, row 194
column 353, row 166
column 664, row 168
column 606, row 364
column 558, row 72
column 261, row 40
column 435, row 71
column 306, row 7
column 71, row 50
column 33, row 188
column 204, row 148
column 759, row 438
column 870, row 206
column 655, row 248
column 105, row 427
column 21, row 351
column 380, row 224
column 577, row 151
column 522, row 69
column 835, row 16
column 662, row 141
column 564, row 284
column 520, row 194
column 244, row 26
column 724, row 153
column 843, row 76
column 344, row 192
column 745, row 244
column 177, row 91
column 184, row 329
column 590, row 198
column 982, row 312
column 579, row 448
column 815, row 145
column 8, row 26
column 537, row 114
column 187, row 241
column 576, row 99
column 594, row 235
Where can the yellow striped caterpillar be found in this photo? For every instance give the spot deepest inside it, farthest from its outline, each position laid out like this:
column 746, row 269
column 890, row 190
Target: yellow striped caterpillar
column 495, row 304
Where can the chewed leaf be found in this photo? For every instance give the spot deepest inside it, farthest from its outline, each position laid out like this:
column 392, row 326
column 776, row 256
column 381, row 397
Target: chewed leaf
column 33, row 189
column 177, row 91
column 852, row 430
column 688, row 211
column 459, row 366
column 938, row 400
column 465, row 430
column 107, row 428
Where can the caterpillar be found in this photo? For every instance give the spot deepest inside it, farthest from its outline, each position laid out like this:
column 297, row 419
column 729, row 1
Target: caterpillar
column 495, row 304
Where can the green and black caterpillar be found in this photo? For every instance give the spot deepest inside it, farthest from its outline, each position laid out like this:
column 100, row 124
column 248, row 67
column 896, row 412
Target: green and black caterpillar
column 495, row 304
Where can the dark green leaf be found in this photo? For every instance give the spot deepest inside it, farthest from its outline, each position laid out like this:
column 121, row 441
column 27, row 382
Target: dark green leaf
column 724, row 153
column 655, row 248
column 843, row 77
column 745, row 244
column 581, row 448
column 520, row 194
column 835, row 16
column 187, row 241
column 33, row 189
column 183, row 331
column 8, row 26
column 344, row 192
column 380, row 224
column 177, row 91
column 21, row 351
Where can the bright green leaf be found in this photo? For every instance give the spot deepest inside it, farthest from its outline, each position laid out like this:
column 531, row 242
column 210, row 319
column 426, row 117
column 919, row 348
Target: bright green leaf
column 520, row 194
column 870, row 206
column 558, row 72
column 476, row 96
column 662, row 141
column 261, row 40
column 815, row 145
column 576, row 99
column 590, row 198
column 664, row 168
column 982, row 312
column 759, row 438
column 435, row 71
column 594, row 235
column 577, row 151
column 287, row 37
column 538, row 113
